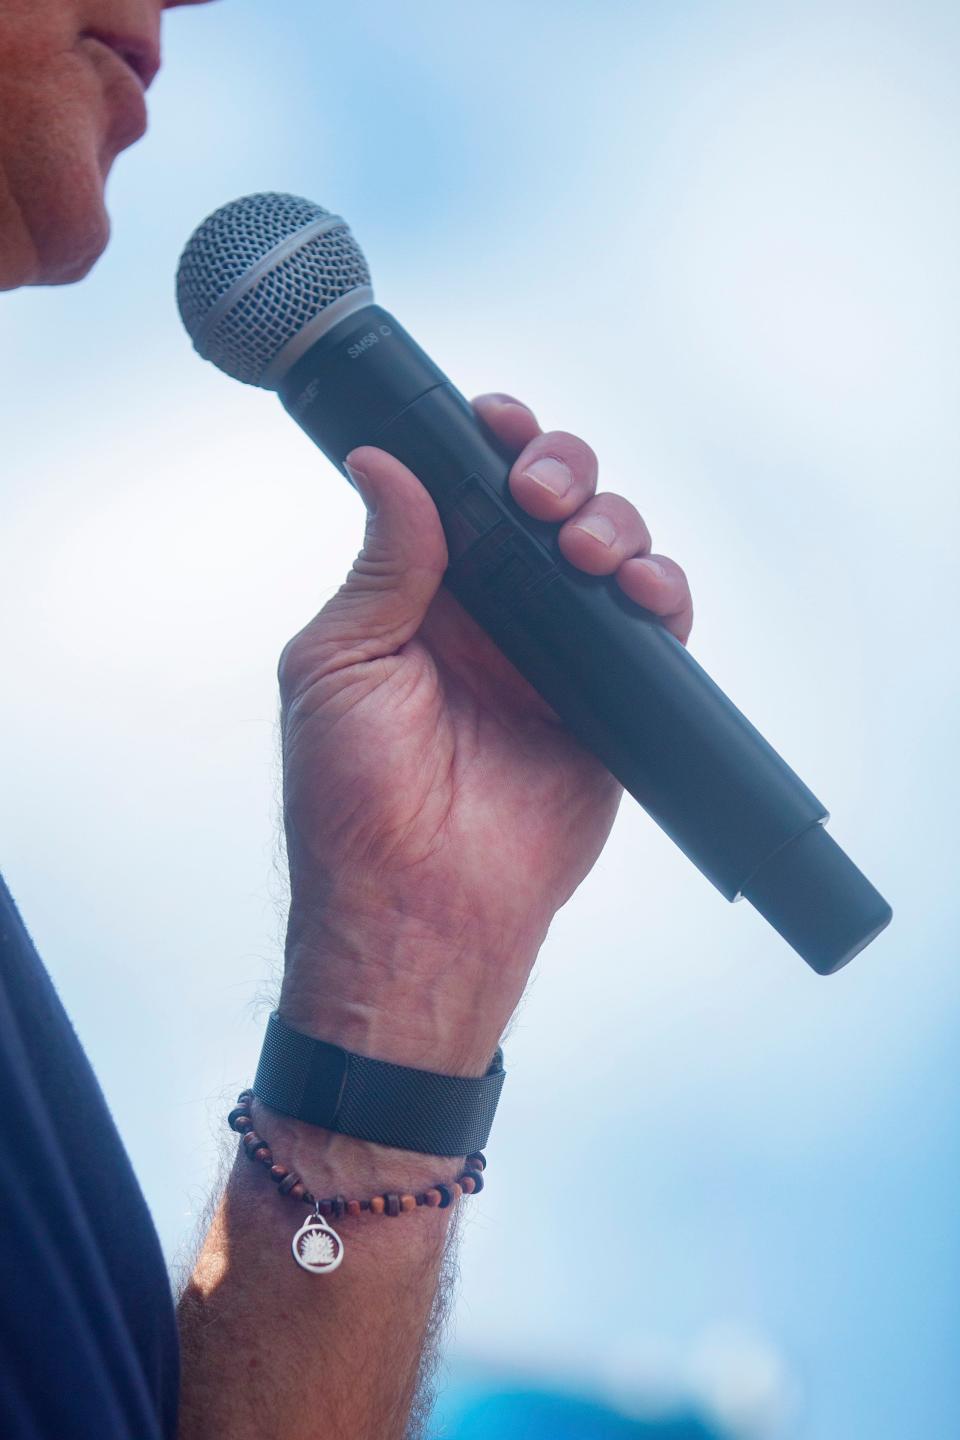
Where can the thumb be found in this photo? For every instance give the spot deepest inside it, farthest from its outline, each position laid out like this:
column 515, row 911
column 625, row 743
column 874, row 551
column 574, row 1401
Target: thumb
column 398, row 571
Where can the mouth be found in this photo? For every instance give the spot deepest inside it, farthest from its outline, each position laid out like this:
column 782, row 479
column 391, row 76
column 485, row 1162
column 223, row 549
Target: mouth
column 140, row 56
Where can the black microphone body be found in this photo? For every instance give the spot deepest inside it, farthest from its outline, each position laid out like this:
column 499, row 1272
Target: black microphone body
column 275, row 291
column 619, row 680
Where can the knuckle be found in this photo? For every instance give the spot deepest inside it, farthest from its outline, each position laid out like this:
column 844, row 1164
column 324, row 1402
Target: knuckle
column 631, row 528
column 672, row 570
column 617, row 506
column 575, row 453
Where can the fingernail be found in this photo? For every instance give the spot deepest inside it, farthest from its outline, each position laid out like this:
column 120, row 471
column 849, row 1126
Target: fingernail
column 551, row 473
column 359, row 478
column 654, row 565
column 599, row 527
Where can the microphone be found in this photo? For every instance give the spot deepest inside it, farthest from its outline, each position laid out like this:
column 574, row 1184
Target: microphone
column 276, row 292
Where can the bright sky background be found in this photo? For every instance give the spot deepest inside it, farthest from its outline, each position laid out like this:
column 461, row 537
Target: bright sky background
column 720, row 241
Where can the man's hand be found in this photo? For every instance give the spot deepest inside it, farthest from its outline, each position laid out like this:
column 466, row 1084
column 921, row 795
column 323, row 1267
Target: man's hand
column 437, row 816
column 437, row 812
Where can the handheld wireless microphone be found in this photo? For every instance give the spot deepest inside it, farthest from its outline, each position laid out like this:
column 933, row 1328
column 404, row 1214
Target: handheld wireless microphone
column 276, row 292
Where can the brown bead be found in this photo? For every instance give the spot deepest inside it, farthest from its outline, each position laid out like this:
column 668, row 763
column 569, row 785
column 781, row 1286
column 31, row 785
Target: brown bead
column 377, row 1205
column 298, row 1191
column 353, row 1207
column 478, row 1181
column 432, row 1198
column 393, row 1203
column 264, row 1154
column 278, row 1173
column 243, row 1124
column 467, row 1184
column 288, row 1182
column 235, row 1115
column 252, row 1142
column 456, row 1190
column 408, row 1203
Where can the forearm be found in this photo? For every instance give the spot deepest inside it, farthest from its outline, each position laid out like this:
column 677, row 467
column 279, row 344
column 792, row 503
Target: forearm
column 437, row 817
column 270, row 1350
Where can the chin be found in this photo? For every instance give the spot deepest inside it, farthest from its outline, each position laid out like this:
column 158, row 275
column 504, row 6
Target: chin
column 74, row 235
column 78, row 258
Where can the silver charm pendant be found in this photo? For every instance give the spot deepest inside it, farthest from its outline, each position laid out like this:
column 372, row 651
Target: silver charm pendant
column 316, row 1246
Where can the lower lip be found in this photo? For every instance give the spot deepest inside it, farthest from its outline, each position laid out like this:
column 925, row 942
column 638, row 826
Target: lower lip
column 127, row 96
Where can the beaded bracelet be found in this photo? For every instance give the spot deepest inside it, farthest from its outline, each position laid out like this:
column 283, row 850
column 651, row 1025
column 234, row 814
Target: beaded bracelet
column 316, row 1246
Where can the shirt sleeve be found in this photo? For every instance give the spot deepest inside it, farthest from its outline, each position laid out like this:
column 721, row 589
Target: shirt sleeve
column 87, row 1328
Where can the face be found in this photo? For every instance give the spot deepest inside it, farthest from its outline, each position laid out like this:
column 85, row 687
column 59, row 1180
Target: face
column 73, row 78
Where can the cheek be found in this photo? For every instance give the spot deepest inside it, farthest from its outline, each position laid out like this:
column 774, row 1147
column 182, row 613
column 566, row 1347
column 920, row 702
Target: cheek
column 55, row 165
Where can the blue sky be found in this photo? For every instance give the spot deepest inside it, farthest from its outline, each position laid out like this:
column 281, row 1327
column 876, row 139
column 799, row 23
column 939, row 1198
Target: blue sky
column 719, row 241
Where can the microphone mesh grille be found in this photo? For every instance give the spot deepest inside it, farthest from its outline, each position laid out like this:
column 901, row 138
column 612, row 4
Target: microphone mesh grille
column 267, row 315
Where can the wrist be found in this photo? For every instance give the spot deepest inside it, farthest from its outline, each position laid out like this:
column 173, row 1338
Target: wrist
column 388, row 1029
column 332, row 1163
column 389, row 986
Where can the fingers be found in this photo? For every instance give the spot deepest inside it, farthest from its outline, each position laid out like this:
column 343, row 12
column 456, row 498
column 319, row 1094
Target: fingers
column 658, row 583
column 554, row 478
column 604, row 533
column 554, row 475
column 513, row 421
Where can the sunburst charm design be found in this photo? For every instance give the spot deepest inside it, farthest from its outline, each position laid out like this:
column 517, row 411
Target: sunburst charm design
column 317, row 1247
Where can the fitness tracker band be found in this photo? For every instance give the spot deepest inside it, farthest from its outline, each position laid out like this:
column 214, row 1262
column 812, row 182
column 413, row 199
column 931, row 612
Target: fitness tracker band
column 375, row 1100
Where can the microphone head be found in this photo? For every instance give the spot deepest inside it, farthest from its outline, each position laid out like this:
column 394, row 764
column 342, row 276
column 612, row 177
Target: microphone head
column 262, row 279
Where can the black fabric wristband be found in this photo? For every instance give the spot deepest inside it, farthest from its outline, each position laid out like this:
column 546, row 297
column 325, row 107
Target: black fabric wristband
column 392, row 1105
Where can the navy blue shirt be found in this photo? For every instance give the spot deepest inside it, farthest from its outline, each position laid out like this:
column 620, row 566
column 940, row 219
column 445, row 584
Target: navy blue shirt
column 88, row 1341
